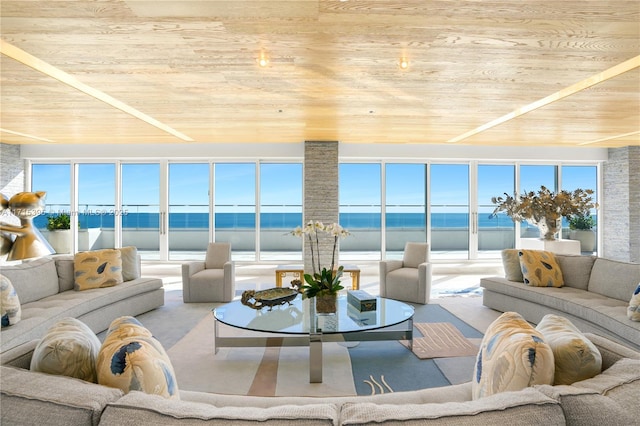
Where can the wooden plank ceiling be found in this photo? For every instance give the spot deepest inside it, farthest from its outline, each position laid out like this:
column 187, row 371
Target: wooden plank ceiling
column 517, row 73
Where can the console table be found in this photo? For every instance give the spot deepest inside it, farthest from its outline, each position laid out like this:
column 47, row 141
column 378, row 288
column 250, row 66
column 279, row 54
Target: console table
column 554, row 246
column 298, row 272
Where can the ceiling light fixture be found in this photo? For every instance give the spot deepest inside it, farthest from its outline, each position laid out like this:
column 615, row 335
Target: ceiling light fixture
column 404, row 63
column 263, row 60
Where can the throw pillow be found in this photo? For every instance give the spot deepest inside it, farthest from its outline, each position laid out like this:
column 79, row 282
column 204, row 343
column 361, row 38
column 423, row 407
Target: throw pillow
column 95, row 269
column 633, row 311
column 540, row 268
column 68, row 348
column 130, row 265
column 513, row 355
column 131, row 359
column 10, row 303
column 511, row 265
column 575, row 357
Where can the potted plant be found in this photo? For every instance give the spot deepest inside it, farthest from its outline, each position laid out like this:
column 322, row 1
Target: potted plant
column 545, row 208
column 59, row 227
column 324, row 283
column 581, row 229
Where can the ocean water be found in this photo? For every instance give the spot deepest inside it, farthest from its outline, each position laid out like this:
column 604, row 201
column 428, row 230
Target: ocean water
column 284, row 220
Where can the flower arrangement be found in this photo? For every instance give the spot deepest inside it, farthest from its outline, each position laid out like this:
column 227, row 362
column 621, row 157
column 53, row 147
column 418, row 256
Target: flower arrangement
column 545, row 208
column 323, row 281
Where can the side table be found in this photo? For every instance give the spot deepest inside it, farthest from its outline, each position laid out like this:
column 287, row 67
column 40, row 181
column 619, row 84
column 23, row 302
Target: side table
column 298, row 272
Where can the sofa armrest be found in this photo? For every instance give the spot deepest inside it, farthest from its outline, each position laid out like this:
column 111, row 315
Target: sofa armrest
column 20, row 356
column 387, row 266
column 611, row 351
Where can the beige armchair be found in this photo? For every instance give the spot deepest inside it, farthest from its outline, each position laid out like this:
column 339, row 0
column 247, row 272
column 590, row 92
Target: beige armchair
column 212, row 280
column 408, row 279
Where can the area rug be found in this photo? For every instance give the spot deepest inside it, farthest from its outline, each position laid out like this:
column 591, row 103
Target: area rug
column 362, row 368
column 441, row 340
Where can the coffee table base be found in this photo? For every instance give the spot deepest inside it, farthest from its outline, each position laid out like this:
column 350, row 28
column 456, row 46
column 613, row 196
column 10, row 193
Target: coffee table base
column 314, row 341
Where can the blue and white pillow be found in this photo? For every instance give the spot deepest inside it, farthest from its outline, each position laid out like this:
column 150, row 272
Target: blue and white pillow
column 9, row 303
column 513, row 355
column 132, row 359
column 633, row 311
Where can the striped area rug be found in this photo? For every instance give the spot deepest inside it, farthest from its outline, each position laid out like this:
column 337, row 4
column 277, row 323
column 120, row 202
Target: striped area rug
column 441, row 340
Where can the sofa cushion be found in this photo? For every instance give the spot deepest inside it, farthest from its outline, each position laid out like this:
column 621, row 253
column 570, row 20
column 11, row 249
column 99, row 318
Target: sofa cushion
column 9, row 303
column 583, row 406
column 576, row 270
column 34, row 398
column 34, row 279
column 64, row 266
column 513, row 355
column 540, row 268
column 95, row 269
column 511, row 265
column 614, row 279
column 575, row 357
column 620, row 382
column 69, row 348
column 137, row 408
column 633, row 310
column 130, row 264
column 527, row 406
column 132, row 359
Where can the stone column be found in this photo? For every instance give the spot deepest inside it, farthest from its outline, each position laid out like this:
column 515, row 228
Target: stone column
column 321, row 201
column 621, row 205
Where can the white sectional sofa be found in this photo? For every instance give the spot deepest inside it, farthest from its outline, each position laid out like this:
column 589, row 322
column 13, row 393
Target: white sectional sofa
column 45, row 287
column 28, row 397
column 595, row 295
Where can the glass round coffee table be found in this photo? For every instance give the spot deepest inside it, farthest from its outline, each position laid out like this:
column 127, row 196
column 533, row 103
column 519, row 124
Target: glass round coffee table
column 297, row 324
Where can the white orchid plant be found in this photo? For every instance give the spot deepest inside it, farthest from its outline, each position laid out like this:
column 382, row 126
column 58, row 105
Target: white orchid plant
column 323, row 280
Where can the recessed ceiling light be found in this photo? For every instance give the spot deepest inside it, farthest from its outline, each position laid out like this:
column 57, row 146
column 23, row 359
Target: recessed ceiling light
column 404, row 63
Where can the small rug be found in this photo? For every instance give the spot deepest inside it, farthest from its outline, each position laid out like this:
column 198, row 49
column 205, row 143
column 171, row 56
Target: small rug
column 441, row 340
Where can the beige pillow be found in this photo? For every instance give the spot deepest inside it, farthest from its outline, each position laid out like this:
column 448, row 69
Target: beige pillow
column 131, row 359
column 633, row 311
column 540, row 268
column 511, row 265
column 95, row 269
column 69, row 348
column 575, row 357
column 130, row 266
column 9, row 303
column 513, row 355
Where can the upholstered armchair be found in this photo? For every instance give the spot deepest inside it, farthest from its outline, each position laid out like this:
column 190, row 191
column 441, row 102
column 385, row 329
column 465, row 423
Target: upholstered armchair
column 408, row 279
column 212, row 280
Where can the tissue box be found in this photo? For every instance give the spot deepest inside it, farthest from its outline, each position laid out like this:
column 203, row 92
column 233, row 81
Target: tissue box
column 360, row 317
column 361, row 300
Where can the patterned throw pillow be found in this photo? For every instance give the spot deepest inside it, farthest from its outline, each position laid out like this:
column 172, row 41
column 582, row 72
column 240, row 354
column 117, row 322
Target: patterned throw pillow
column 95, row 269
column 633, row 311
column 10, row 303
column 540, row 268
column 69, row 348
column 132, row 359
column 575, row 357
column 513, row 355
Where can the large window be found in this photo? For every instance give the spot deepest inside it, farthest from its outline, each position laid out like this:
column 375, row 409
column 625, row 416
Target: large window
column 97, row 211
column 188, row 210
column 235, row 207
column 494, row 232
column 405, row 206
column 141, row 208
column 581, row 177
column 280, row 211
column 360, row 210
column 450, row 211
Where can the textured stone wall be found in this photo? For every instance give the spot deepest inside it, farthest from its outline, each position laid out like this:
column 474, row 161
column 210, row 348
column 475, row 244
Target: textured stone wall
column 321, row 200
column 11, row 170
column 621, row 205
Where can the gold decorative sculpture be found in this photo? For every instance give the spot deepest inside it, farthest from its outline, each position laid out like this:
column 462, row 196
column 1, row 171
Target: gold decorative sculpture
column 28, row 241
